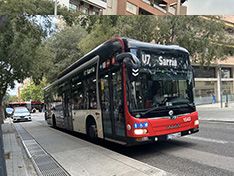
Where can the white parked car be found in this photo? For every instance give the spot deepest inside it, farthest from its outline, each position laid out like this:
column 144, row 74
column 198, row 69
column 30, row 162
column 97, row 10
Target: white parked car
column 21, row 114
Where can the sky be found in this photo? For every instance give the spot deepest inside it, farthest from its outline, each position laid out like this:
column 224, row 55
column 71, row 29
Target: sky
column 15, row 90
column 210, row 7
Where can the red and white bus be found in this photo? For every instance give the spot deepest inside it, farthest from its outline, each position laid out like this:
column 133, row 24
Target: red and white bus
column 126, row 91
column 32, row 106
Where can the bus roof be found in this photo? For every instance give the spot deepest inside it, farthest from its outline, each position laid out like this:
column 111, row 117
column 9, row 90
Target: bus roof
column 131, row 43
column 111, row 46
column 104, row 50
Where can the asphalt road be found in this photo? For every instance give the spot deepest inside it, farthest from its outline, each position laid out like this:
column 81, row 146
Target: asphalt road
column 209, row 152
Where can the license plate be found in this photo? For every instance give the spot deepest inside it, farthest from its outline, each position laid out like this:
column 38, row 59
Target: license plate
column 173, row 135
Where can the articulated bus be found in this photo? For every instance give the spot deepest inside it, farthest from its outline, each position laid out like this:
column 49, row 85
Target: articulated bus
column 126, row 91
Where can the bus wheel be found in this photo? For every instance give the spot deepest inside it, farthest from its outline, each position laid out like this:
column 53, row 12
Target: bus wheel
column 92, row 130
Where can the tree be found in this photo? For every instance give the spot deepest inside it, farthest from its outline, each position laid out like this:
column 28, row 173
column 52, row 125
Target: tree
column 19, row 38
column 33, row 92
column 13, row 99
column 6, row 98
column 37, row 7
column 100, row 29
column 203, row 37
column 62, row 50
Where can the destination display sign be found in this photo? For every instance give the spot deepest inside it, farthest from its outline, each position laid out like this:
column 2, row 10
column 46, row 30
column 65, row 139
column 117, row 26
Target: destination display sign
column 163, row 59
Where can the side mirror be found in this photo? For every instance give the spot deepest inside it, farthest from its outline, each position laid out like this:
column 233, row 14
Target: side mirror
column 132, row 63
column 129, row 59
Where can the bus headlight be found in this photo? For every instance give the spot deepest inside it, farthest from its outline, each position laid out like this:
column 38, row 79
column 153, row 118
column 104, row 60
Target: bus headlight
column 140, row 131
column 196, row 122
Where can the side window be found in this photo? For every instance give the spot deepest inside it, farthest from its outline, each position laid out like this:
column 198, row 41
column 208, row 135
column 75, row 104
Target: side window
column 118, row 103
column 84, row 89
column 77, row 97
column 90, row 96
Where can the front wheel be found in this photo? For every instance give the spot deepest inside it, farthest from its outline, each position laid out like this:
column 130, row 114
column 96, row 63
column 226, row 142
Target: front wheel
column 92, row 131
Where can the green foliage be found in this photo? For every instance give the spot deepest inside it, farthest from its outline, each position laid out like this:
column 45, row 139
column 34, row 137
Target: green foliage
column 29, row 7
column 6, row 98
column 101, row 29
column 61, row 50
column 19, row 38
column 37, row 7
column 204, row 37
column 33, row 92
column 13, row 99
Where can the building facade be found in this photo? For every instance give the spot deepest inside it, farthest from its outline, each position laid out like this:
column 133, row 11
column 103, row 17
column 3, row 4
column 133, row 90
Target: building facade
column 219, row 78
column 88, row 7
column 145, row 7
column 126, row 7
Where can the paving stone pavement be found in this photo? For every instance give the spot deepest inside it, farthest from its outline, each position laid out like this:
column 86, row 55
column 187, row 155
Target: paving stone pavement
column 17, row 162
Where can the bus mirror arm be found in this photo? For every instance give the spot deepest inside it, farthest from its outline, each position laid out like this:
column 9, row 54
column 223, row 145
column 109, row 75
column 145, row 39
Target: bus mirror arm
column 129, row 59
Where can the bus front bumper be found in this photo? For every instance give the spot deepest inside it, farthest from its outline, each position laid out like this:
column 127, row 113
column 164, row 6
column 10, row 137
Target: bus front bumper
column 144, row 140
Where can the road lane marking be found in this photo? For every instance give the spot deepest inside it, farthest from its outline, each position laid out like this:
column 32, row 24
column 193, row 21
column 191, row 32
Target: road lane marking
column 208, row 139
column 209, row 159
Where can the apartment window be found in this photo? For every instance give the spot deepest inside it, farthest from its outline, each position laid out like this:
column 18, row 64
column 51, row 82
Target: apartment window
column 131, row 8
column 73, row 7
column 95, row 13
column 85, row 10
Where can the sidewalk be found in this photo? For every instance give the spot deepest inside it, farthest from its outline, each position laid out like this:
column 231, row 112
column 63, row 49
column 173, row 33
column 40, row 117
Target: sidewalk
column 214, row 112
column 81, row 158
column 78, row 158
column 17, row 162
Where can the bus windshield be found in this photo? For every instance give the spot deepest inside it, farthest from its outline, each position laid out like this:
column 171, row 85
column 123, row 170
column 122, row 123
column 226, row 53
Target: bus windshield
column 164, row 81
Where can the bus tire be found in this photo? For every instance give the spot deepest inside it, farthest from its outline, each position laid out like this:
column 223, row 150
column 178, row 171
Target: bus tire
column 91, row 129
column 54, row 121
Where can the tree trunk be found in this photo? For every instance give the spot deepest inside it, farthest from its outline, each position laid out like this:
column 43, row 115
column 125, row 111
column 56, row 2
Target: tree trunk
column 3, row 171
column 1, row 110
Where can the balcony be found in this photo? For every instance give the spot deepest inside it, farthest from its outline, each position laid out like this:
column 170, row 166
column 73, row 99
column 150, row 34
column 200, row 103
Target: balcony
column 99, row 3
column 155, row 5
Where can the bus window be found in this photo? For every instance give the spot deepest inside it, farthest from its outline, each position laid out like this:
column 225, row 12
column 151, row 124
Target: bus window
column 105, row 103
column 118, row 103
column 77, row 100
column 90, row 97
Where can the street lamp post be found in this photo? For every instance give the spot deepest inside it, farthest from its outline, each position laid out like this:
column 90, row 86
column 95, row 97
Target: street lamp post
column 55, row 8
column 220, row 80
column 178, row 7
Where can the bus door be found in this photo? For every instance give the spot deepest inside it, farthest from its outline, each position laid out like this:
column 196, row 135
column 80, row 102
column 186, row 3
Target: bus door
column 67, row 110
column 112, row 104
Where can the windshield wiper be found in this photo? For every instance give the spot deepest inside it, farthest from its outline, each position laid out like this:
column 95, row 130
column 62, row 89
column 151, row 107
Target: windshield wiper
column 153, row 109
column 189, row 105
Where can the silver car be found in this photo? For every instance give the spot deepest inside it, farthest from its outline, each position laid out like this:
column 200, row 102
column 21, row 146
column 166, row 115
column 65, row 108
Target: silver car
column 21, row 114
